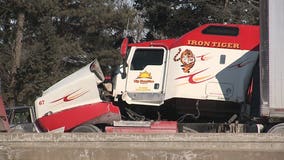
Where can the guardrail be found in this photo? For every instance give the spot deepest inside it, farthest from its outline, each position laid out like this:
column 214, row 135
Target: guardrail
column 45, row 146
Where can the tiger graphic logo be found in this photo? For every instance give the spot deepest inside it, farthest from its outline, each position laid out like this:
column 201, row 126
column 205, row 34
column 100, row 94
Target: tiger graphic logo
column 187, row 59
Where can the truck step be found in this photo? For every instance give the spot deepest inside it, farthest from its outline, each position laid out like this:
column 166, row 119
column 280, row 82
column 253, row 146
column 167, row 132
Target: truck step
column 143, row 127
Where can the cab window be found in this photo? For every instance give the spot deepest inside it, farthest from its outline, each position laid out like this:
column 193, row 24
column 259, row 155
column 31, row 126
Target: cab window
column 221, row 30
column 144, row 57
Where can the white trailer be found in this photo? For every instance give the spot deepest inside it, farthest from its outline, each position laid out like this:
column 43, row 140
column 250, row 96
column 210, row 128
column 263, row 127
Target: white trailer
column 271, row 62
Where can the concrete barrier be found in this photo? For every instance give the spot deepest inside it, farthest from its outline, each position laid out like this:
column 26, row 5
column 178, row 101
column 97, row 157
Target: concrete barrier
column 91, row 146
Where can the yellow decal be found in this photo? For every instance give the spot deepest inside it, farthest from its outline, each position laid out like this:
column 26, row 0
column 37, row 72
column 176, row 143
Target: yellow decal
column 213, row 44
column 145, row 74
column 142, row 89
column 144, row 78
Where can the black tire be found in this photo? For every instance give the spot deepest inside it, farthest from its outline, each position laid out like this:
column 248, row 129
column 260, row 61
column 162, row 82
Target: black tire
column 87, row 128
column 279, row 128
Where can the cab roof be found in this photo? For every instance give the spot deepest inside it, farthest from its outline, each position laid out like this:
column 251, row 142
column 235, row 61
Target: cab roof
column 231, row 36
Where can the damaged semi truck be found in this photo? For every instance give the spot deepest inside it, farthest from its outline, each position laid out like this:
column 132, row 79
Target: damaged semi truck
column 203, row 76
column 215, row 78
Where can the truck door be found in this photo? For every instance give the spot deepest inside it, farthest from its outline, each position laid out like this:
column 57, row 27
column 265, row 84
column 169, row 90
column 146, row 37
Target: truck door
column 146, row 74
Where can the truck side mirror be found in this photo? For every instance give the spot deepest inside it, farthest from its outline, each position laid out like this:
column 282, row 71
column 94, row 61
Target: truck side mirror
column 124, row 64
column 123, row 47
column 123, row 50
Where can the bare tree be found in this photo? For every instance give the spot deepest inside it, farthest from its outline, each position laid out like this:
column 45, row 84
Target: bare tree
column 17, row 53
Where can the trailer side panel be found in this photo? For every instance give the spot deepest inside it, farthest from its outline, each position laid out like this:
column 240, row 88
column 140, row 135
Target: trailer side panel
column 271, row 65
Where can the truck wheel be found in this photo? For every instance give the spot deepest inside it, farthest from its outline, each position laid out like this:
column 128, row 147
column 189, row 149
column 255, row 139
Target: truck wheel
column 87, row 128
column 279, row 128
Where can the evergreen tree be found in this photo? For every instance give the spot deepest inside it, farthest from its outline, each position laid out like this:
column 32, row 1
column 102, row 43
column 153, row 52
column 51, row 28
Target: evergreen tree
column 58, row 37
column 43, row 41
column 171, row 18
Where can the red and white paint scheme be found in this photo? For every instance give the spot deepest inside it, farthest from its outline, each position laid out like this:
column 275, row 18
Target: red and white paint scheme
column 211, row 62
column 75, row 100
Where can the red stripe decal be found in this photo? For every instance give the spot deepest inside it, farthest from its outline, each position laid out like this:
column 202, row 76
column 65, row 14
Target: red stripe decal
column 194, row 80
column 70, row 96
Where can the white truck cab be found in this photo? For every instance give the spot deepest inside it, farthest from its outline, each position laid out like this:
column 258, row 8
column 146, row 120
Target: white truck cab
column 212, row 62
